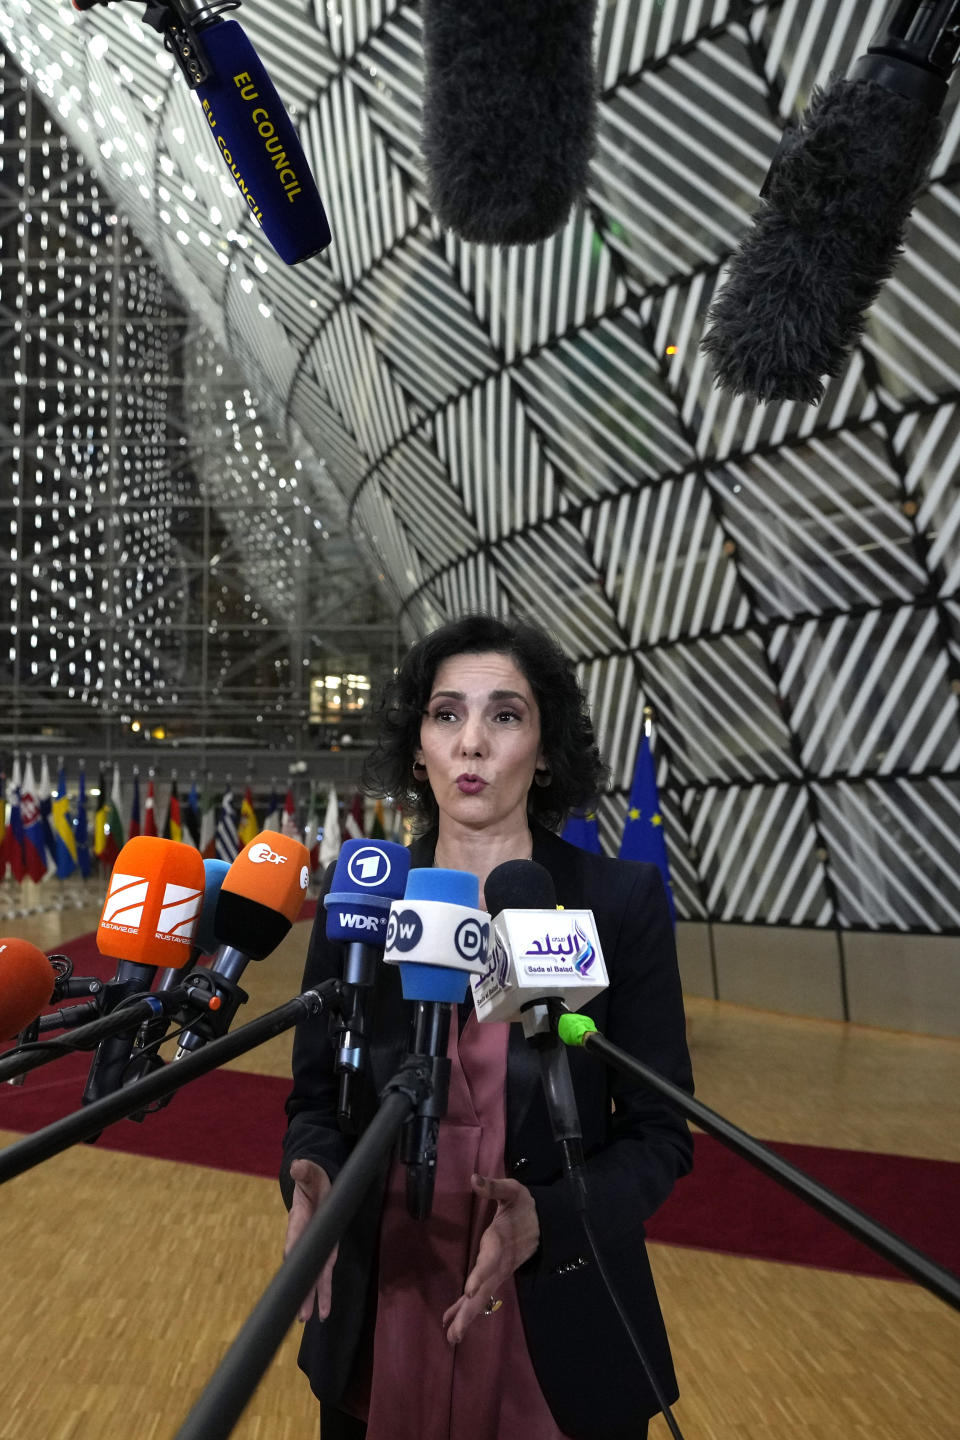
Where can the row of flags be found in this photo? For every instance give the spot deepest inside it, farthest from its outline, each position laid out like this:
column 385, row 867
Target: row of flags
column 45, row 833
column 643, row 837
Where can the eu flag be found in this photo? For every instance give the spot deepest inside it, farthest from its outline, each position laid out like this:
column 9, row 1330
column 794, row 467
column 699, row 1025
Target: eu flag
column 643, row 837
column 581, row 830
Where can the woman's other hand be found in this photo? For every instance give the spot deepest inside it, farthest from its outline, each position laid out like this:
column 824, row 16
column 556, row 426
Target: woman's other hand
column 311, row 1188
column 511, row 1238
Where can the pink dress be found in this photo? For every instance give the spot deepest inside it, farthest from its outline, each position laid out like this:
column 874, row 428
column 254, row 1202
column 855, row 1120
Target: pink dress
column 419, row 1387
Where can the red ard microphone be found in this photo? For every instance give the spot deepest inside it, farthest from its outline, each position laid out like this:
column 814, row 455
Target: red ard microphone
column 249, row 125
column 147, row 923
column 27, row 983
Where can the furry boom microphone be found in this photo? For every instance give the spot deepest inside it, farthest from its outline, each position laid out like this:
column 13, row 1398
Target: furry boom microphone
column 509, row 114
column 837, row 201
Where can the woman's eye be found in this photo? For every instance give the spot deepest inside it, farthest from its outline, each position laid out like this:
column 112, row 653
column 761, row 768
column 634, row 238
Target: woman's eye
column 503, row 715
column 444, row 714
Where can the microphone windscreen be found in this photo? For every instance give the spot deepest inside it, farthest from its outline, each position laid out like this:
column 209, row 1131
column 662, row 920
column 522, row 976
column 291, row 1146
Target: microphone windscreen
column 262, row 894
column 830, row 231
column 509, row 115
column 27, row 981
column 519, row 885
column 214, row 873
column 453, row 887
column 260, row 146
column 367, row 876
column 153, row 903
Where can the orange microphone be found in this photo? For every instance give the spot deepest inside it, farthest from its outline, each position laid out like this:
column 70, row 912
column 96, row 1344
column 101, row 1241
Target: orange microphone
column 147, row 923
column 153, row 903
column 261, row 895
column 27, row 982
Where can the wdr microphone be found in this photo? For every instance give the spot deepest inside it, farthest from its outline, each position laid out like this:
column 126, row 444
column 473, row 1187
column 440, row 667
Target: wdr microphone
column 509, row 115
column 836, row 204
column 147, row 923
column 260, row 896
column 249, row 125
column 438, row 938
column 369, row 874
column 27, row 983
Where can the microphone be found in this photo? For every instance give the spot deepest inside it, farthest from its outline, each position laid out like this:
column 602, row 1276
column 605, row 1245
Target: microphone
column 537, row 953
column 509, row 115
column 543, row 962
column 147, row 922
column 438, row 938
column 204, row 939
column 261, row 894
column 368, row 876
column 836, row 204
column 249, row 124
column 27, row 981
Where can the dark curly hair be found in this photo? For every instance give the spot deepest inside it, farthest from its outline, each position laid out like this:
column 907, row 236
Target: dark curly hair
column 566, row 732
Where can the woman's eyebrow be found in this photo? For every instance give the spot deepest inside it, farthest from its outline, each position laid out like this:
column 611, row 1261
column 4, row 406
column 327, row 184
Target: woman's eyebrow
column 494, row 695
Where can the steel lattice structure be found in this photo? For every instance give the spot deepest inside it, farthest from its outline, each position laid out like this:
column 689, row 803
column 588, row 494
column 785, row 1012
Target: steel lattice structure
column 536, row 430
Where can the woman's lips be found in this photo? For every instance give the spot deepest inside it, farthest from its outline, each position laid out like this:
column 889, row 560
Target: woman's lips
column 470, row 784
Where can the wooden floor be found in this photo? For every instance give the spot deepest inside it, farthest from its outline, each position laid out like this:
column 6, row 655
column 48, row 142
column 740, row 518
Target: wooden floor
column 124, row 1279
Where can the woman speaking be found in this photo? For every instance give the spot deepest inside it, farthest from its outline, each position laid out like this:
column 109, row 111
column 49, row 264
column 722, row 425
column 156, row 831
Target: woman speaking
column 488, row 1321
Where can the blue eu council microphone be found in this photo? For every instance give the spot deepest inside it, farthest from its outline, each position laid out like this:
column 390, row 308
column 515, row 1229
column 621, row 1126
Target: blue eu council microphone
column 249, row 125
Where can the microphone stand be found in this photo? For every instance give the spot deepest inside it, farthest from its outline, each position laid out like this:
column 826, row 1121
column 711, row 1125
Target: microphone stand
column 580, row 1030
column 92, row 1118
column 128, row 1015
column 240, row 1371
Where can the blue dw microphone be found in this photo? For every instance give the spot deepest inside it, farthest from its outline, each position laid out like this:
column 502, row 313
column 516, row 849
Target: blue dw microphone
column 369, row 875
column 205, row 941
column 438, row 937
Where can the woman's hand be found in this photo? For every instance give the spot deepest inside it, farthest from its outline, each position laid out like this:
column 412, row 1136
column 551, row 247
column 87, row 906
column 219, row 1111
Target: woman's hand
column 511, row 1238
column 311, row 1187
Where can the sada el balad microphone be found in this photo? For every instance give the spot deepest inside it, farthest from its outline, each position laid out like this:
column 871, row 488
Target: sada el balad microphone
column 248, row 123
column 147, row 923
column 836, row 204
column 438, row 938
column 260, row 897
column 509, row 115
column 369, row 874
column 541, row 963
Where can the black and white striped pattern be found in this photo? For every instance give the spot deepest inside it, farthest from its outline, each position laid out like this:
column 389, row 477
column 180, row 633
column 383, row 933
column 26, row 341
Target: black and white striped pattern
column 536, row 430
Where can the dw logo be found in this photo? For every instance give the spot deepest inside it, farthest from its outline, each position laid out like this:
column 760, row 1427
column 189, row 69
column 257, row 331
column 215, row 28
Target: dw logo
column 404, row 930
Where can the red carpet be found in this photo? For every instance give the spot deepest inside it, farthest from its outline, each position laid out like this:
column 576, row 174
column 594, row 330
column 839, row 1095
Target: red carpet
column 725, row 1205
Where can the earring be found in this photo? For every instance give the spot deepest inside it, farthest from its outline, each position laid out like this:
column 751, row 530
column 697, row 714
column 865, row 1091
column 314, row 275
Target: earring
column 543, row 778
column 419, row 771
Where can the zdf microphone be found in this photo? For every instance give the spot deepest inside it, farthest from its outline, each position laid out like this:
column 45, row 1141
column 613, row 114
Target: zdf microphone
column 369, row 874
column 261, row 895
column 249, row 126
column 836, row 204
column 438, row 938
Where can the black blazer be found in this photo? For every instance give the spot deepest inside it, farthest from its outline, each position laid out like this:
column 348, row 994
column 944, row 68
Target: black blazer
column 636, row 1147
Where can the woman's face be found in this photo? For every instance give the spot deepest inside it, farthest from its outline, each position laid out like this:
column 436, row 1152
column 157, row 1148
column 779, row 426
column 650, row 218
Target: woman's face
column 480, row 739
